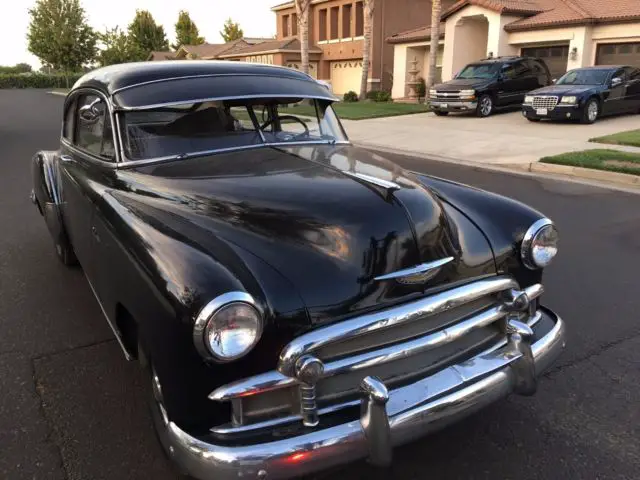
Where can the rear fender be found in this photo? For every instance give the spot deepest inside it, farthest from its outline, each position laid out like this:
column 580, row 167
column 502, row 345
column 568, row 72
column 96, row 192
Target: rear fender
column 47, row 192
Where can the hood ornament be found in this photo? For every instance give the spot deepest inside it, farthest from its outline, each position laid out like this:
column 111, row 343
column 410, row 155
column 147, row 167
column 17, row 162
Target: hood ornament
column 415, row 275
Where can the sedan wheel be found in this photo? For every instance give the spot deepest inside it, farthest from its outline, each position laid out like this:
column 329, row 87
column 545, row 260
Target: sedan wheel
column 591, row 111
column 485, row 106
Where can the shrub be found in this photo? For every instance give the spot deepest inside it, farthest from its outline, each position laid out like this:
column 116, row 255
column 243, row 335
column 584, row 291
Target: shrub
column 38, row 80
column 421, row 88
column 350, row 96
column 379, row 96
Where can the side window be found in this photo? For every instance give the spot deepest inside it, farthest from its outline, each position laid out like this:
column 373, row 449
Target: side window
column 508, row 71
column 67, row 127
column 621, row 74
column 633, row 73
column 93, row 127
column 522, row 69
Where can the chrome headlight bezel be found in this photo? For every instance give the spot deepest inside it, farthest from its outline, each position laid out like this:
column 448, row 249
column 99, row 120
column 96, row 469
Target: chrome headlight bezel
column 535, row 233
column 569, row 100
column 205, row 321
column 528, row 99
column 469, row 93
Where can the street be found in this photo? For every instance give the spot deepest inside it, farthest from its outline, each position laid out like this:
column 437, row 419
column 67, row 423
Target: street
column 71, row 407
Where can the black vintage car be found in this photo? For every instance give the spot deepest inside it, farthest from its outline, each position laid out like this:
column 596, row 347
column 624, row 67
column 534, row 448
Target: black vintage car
column 490, row 84
column 296, row 302
column 586, row 94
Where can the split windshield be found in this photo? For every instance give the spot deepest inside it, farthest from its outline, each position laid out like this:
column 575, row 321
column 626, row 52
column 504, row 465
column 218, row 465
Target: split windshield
column 584, row 77
column 194, row 128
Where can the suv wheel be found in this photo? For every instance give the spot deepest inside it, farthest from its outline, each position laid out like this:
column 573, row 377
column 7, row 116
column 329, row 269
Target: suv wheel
column 440, row 113
column 591, row 111
column 485, row 106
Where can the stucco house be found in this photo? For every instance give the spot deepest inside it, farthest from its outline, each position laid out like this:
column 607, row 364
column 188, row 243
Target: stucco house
column 565, row 33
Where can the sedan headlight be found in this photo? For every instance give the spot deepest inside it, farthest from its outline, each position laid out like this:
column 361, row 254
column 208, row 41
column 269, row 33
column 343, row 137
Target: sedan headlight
column 540, row 244
column 528, row 99
column 228, row 327
column 570, row 100
column 467, row 93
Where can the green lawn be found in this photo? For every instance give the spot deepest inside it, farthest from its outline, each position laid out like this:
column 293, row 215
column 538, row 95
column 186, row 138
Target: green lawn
column 362, row 110
column 611, row 160
column 631, row 137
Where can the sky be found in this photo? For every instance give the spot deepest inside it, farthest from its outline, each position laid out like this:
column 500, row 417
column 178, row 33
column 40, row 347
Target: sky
column 254, row 16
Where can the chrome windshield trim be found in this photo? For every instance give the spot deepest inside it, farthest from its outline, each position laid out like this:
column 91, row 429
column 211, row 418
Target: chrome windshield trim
column 415, row 271
column 387, row 318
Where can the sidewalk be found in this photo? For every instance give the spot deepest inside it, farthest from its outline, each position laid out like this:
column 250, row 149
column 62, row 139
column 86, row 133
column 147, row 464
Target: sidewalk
column 503, row 139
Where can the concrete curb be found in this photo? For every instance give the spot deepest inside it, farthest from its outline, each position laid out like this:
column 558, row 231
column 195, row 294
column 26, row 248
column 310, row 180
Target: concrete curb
column 585, row 176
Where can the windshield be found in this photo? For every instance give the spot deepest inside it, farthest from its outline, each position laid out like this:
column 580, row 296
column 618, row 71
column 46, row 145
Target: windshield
column 584, row 77
column 193, row 128
column 479, row 70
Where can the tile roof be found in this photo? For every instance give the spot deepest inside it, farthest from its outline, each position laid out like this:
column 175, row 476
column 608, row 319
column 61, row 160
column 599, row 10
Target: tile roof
column 578, row 12
column 161, row 55
column 205, row 50
column 414, row 35
column 289, row 44
column 517, row 7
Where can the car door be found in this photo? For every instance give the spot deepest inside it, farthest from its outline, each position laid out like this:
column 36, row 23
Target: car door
column 615, row 98
column 632, row 94
column 515, row 80
column 87, row 155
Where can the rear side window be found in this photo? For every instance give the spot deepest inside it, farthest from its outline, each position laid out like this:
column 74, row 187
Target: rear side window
column 522, row 68
column 93, row 127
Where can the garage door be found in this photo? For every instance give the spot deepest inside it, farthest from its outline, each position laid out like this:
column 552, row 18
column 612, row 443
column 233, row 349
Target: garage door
column 619, row 54
column 313, row 68
column 346, row 76
column 556, row 57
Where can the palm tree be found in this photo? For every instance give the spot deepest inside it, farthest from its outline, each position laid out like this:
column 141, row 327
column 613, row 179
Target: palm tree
column 366, row 49
column 302, row 12
column 436, row 13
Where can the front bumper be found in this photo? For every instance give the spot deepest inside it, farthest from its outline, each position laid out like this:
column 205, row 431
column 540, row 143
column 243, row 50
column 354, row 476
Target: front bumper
column 560, row 112
column 454, row 105
column 403, row 415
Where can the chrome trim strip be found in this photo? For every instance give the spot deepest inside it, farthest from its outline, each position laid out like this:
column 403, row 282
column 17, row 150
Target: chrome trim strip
column 374, row 180
column 210, row 309
column 387, row 318
column 413, row 411
column 420, row 269
column 525, row 248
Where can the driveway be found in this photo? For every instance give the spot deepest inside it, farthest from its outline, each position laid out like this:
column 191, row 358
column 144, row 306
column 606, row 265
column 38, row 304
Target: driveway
column 504, row 138
column 72, row 408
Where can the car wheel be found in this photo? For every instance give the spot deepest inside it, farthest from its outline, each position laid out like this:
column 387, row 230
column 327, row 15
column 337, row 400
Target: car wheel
column 440, row 114
column 65, row 253
column 591, row 111
column 533, row 119
column 485, row 106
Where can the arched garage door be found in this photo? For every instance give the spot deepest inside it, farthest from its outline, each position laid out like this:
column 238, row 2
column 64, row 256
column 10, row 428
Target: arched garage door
column 619, row 54
column 346, row 76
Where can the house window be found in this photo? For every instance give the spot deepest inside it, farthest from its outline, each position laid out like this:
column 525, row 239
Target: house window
column 359, row 19
column 346, row 21
column 294, row 24
column 285, row 25
column 322, row 25
column 335, row 12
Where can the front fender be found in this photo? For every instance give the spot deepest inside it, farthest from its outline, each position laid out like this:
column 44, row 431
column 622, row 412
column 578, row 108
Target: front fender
column 504, row 221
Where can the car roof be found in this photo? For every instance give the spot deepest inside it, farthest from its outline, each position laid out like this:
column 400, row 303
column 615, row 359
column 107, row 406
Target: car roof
column 603, row 67
column 117, row 77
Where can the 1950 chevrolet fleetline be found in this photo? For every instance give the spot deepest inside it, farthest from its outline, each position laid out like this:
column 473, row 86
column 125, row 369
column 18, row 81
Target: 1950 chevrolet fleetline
column 297, row 302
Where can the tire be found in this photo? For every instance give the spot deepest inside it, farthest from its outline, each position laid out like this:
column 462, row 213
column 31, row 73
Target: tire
column 440, row 114
column 535, row 120
column 590, row 112
column 485, row 106
column 65, row 253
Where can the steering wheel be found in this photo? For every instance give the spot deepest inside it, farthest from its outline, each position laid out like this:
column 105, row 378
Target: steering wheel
column 288, row 117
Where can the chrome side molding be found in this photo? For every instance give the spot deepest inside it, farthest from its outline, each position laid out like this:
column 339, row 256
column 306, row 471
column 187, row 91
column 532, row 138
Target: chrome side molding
column 418, row 274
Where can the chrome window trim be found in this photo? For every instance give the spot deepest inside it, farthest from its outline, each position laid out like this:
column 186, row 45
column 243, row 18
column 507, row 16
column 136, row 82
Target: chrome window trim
column 525, row 248
column 210, row 309
column 89, row 156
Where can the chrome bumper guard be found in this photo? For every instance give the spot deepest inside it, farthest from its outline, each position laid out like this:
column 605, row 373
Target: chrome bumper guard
column 388, row 418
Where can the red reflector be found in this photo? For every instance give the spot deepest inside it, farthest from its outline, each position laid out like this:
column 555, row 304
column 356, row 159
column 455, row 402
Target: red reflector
column 298, row 457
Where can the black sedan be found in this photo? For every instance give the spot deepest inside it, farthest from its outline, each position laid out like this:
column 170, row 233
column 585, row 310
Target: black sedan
column 586, row 94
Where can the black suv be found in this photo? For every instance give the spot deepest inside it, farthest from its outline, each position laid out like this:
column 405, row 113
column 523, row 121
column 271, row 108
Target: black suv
column 483, row 86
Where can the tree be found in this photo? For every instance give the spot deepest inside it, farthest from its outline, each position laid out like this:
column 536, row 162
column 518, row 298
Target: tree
column 302, row 13
column 186, row 31
column 60, row 36
column 146, row 35
column 368, row 7
column 231, row 31
column 17, row 68
column 117, row 47
column 436, row 13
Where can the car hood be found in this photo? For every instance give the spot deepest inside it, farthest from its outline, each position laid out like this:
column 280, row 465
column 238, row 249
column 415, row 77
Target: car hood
column 461, row 83
column 565, row 90
column 305, row 213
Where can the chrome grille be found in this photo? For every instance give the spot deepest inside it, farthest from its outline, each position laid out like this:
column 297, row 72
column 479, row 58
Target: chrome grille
column 546, row 101
column 397, row 344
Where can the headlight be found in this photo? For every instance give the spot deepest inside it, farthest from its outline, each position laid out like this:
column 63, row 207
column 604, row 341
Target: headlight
column 467, row 93
column 569, row 100
column 528, row 99
column 540, row 244
column 432, row 93
column 228, row 327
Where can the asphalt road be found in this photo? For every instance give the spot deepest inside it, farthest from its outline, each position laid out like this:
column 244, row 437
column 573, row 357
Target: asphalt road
column 72, row 408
